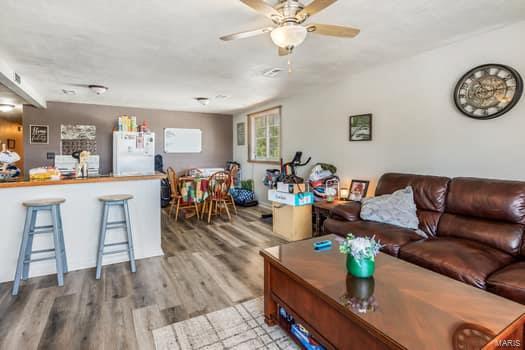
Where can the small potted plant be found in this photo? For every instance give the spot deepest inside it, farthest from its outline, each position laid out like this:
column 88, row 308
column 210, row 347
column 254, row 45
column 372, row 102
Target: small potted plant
column 360, row 255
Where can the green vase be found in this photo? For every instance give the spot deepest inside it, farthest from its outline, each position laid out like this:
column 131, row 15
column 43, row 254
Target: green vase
column 363, row 268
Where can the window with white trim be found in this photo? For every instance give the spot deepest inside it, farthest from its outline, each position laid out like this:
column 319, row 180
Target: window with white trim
column 265, row 135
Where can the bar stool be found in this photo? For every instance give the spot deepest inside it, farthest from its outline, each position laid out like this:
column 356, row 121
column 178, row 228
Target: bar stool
column 30, row 230
column 118, row 200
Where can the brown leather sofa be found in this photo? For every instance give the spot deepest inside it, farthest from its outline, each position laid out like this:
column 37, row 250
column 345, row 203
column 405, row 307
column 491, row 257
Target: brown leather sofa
column 474, row 227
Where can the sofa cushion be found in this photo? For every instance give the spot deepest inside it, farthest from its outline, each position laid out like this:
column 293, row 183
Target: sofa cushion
column 489, row 199
column 397, row 209
column 509, row 282
column 497, row 234
column 429, row 194
column 391, row 237
column 467, row 261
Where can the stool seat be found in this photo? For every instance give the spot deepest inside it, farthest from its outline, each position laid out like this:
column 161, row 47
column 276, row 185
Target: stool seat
column 115, row 198
column 45, row 202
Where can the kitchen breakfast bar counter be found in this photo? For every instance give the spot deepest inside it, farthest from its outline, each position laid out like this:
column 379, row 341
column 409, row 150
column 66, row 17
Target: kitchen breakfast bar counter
column 81, row 216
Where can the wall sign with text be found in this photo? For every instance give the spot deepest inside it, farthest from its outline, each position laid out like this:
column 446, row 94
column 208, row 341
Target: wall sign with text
column 39, row 134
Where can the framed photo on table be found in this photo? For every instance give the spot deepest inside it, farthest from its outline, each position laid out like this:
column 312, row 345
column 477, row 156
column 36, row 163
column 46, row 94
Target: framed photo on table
column 11, row 144
column 358, row 190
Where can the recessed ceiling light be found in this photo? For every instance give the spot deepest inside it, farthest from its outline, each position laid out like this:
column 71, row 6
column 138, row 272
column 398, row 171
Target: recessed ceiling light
column 202, row 100
column 221, row 97
column 69, row 92
column 4, row 107
column 98, row 89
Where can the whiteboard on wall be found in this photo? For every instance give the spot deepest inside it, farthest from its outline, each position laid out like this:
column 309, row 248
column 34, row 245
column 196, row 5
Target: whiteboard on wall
column 182, row 140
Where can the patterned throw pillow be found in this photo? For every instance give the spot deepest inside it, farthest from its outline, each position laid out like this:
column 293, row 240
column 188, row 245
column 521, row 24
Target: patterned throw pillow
column 397, row 209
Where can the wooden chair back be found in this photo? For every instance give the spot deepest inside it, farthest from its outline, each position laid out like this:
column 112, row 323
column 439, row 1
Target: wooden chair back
column 172, row 179
column 219, row 185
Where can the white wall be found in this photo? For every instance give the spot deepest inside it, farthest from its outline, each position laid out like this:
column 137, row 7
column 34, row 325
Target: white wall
column 416, row 127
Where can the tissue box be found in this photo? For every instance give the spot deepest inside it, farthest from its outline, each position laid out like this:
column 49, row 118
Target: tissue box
column 293, row 199
column 290, row 188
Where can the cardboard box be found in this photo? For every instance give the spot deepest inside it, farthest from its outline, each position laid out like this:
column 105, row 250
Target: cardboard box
column 292, row 223
column 292, row 199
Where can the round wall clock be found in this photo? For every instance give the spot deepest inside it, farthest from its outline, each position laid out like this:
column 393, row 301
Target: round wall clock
column 488, row 91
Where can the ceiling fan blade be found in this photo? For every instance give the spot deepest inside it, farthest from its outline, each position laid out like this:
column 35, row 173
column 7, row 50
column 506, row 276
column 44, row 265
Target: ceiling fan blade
column 247, row 34
column 283, row 51
column 262, row 7
column 314, row 7
column 331, row 30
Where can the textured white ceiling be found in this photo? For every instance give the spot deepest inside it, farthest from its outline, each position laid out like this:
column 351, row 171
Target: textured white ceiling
column 162, row 53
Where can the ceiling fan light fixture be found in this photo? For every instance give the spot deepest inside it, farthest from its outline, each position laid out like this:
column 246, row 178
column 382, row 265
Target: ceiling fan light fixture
column 291, row 35
column 203, row 100
column 98, row 89
column 5, row 108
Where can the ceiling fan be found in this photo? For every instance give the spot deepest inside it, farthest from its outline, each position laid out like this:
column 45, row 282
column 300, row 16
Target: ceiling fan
column 287, row 31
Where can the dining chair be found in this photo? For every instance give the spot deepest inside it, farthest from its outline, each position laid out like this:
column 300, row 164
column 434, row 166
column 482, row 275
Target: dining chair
column 218, row 192
column 233, row 174
column 177, row 199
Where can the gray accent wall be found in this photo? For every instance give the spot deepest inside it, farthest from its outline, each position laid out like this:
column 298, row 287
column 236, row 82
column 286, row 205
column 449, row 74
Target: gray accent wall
column 217, row 133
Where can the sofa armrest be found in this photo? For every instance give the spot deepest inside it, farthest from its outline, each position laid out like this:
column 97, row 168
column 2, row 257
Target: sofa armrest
column 349, row 211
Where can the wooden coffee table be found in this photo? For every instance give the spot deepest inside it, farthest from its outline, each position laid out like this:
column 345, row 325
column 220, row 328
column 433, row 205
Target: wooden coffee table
column 408, row 307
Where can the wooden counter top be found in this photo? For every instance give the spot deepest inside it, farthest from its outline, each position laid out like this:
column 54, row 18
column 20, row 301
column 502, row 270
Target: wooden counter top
column 77, row 181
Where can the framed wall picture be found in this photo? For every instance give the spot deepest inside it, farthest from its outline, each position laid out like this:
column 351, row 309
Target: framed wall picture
column 241, row 134
column 11, row 144
column 39, row 134
column 361, row 127
column 358, row 190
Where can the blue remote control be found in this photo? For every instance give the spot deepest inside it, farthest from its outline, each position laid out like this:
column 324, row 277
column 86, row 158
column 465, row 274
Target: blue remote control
column 322, row 245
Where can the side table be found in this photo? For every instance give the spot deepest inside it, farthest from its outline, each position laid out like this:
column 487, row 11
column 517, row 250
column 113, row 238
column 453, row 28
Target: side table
column 322, row 210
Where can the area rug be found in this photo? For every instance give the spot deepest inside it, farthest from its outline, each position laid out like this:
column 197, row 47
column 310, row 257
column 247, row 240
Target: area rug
column 240, row 327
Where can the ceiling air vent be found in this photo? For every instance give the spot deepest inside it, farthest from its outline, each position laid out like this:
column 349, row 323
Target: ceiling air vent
column 272, row 72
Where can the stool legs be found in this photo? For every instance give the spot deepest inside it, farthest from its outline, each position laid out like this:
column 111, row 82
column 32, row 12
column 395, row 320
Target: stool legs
column 102, row 239
column 61, row 231
column 29, row 245
column 130, row 239
column 22, row 254
column 58, row 246
column 26, row 246
column 105, row 226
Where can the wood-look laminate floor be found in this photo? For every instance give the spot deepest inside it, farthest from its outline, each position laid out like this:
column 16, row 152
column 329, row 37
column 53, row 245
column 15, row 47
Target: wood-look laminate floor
column 205, row 268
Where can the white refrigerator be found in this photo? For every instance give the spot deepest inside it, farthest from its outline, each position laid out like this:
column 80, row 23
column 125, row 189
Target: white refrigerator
column 133, row 153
